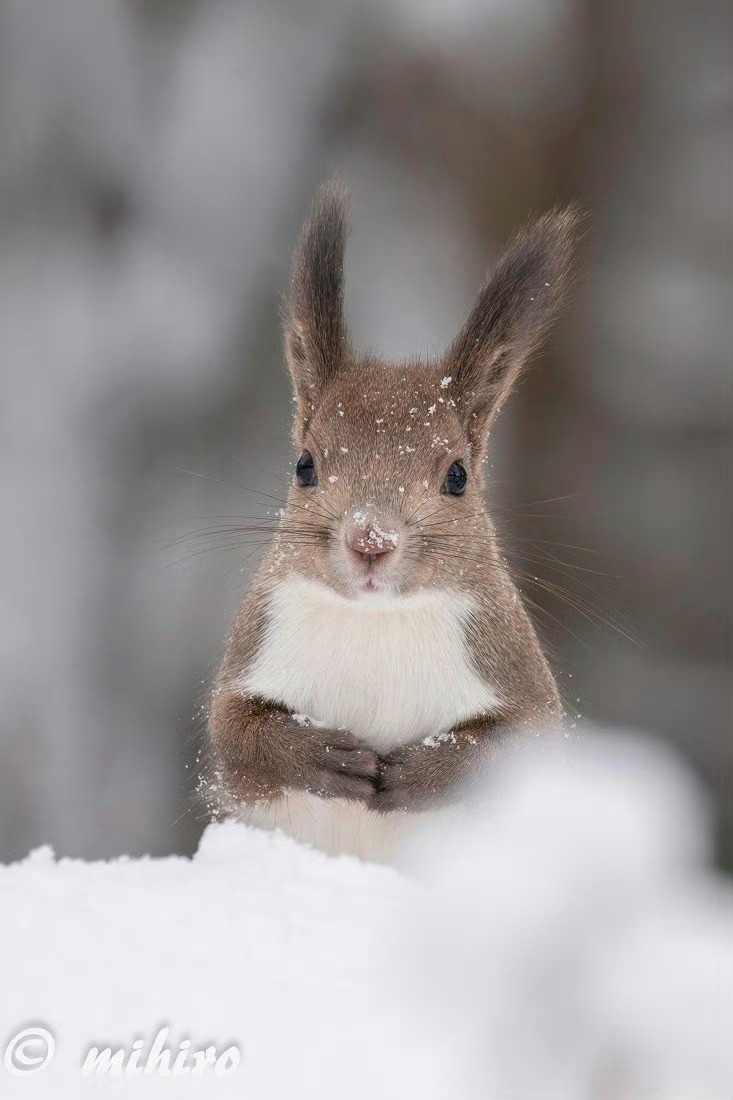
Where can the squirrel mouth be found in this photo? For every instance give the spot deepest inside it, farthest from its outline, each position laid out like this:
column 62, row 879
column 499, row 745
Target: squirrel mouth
column 373, row 585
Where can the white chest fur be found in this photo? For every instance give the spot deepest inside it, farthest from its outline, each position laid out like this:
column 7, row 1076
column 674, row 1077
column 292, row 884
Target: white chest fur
column 390, row 669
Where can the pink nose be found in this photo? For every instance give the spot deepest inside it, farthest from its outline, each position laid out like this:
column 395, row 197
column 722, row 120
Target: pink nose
column 372, row 542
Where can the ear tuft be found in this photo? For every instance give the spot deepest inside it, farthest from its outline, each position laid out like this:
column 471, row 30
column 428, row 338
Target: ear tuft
column 515, row 307
column 315, row 330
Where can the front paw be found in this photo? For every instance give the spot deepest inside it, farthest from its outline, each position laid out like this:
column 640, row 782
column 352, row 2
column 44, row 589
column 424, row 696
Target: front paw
column 406, row 781
column 261, row 752
column 337, row 765
column 422, row 776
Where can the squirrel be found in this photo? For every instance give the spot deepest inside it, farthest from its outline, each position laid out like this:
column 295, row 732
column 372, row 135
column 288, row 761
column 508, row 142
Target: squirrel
column 383, row 650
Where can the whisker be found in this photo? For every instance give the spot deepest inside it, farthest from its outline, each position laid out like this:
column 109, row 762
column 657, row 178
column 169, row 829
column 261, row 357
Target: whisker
column 446, row 522
column 594, row 614
column 283, row 502
column 235, row 529
column 563, row 625
column 310, row 539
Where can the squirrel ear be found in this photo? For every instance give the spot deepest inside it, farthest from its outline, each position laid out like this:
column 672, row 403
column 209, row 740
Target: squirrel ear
column 514, row 309
column 315, row 330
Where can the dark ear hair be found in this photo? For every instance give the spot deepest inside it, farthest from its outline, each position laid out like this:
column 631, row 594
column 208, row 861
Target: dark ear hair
column 315, row 330
column 514, row 309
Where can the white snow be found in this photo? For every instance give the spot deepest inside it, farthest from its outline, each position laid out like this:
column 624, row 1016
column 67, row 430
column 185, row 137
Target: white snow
column 255, row 941
column 593, row 954
column 564, row 939
column 377, row 536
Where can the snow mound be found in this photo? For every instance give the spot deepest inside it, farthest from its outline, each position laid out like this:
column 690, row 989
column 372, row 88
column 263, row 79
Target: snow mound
column 564, row 939
column 255, row 941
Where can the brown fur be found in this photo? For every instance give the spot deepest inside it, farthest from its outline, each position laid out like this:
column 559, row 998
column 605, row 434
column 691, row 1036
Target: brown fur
column 388, row 433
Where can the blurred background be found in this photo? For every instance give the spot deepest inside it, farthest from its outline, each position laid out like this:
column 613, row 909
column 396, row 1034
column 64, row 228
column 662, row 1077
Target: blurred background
column 156, row 159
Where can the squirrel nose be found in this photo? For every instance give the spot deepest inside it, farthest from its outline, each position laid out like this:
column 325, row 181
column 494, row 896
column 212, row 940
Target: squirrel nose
column 372, row 542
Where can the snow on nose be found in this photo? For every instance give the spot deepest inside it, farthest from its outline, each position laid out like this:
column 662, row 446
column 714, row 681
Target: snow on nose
column 369, row 538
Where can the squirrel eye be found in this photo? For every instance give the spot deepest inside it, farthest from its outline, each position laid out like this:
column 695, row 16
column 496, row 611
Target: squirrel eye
column 455, row 482
column 305, row 471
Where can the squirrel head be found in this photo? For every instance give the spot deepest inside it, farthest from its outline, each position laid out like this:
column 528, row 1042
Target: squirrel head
column 387, row 496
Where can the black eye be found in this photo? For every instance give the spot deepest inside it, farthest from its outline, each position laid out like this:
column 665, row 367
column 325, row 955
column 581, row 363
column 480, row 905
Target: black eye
column 305, row 471
column 455, row 482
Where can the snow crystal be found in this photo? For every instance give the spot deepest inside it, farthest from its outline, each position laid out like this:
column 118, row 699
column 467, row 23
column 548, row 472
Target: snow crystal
column 446, row 381
column 377, row 537
column 434, row 739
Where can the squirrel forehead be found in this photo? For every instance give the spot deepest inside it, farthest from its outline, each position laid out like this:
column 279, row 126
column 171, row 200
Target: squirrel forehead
column 392, row 408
